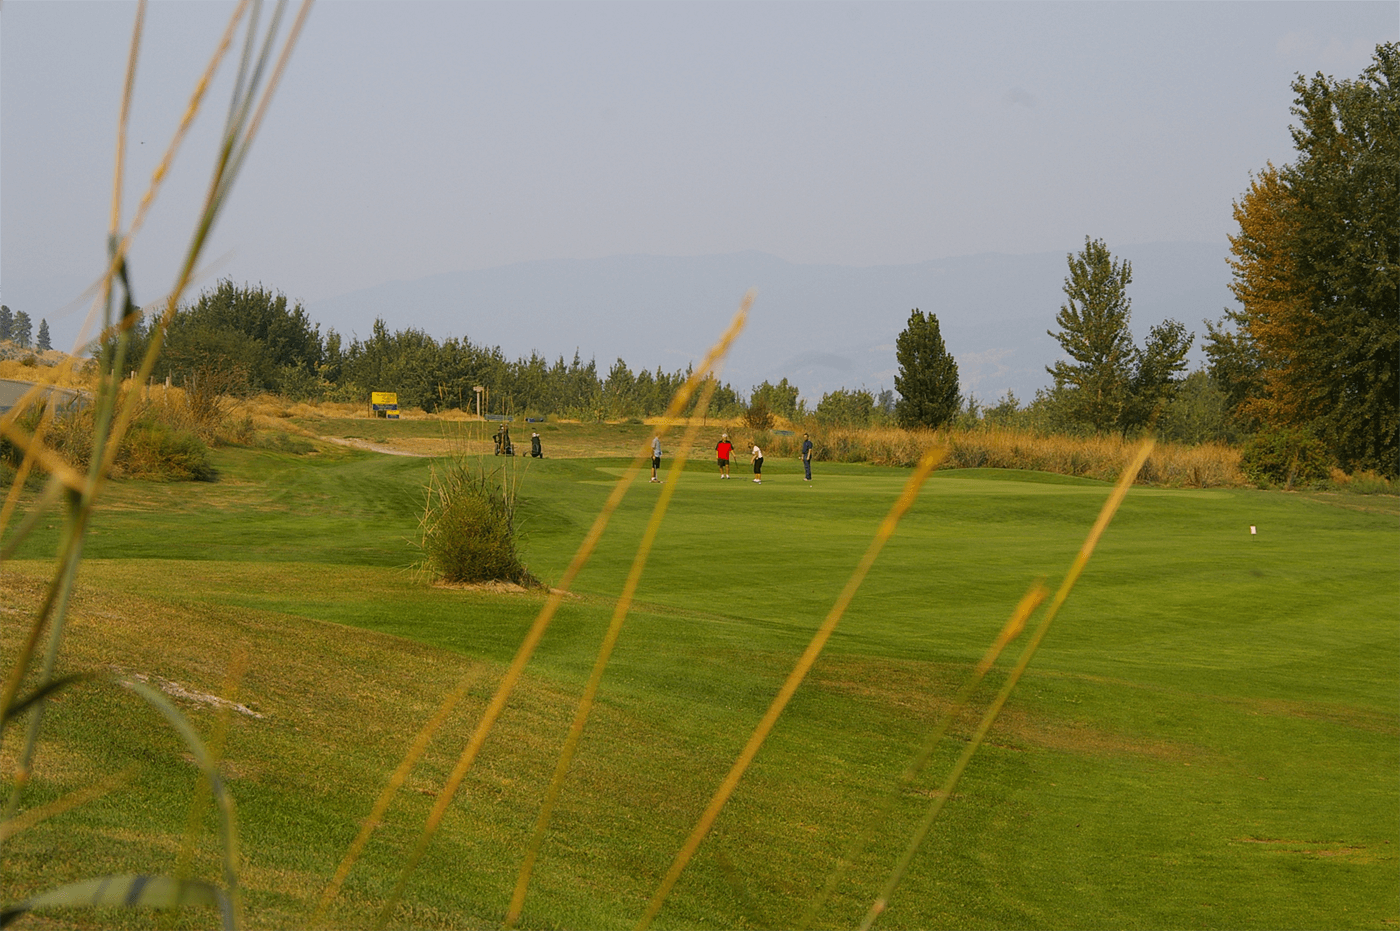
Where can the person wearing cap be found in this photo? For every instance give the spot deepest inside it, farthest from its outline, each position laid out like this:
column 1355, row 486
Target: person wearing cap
column 807, row 455
column 723, row 451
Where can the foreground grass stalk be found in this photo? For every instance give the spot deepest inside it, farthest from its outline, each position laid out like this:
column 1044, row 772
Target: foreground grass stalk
column 209, row 767
column 55, row 606
column 1120, row 490
column 906, row 500
column 595, row 678
column 236, row 669
column 546, row 615
column 114, row 413
column 58, row 806
column 1010, row 631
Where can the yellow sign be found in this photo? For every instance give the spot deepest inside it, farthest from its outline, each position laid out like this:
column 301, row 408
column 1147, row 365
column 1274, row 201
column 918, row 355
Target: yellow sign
column 384, row 404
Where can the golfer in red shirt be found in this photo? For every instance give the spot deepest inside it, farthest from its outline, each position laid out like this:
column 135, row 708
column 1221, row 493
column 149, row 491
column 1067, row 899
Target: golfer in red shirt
column 723, row 450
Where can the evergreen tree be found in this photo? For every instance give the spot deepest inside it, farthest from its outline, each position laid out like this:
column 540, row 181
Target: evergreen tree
column 1111, row 385
column 1094, row 332
column 22, row 331
column 928, row 376
column 1157, row 370
column 42, row 342
column 7, row 322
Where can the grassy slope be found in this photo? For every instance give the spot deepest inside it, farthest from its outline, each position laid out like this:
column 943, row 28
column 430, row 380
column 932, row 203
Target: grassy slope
column 1207, row 739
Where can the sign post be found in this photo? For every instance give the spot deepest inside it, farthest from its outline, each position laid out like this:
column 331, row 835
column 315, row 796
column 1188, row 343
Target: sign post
column 384, row 404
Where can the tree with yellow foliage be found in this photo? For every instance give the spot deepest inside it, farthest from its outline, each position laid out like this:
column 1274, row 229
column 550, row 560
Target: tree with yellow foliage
column 1316, row 268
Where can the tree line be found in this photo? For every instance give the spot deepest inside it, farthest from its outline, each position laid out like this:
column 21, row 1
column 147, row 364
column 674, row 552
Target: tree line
column 16, row 327
column 243, row 339
column 1309, row 363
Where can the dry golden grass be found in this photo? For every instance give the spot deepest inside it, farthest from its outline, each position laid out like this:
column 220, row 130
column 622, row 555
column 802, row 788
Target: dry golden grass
column 50, row 368
column 1100, row 457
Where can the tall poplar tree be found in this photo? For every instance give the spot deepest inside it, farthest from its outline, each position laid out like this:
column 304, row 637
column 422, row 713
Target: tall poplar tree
column 928, row 375
column 1317, row 271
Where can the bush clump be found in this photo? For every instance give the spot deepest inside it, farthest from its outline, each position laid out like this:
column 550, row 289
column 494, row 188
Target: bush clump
column 468, row 527
column 1287, row 457
column 159, row 444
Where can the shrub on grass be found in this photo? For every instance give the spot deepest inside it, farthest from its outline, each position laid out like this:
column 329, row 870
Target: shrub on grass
column 1285, row 456
column 159, row 444
column 154, row 449
column 758, row 415
column 1363, row 483
column 468, row 526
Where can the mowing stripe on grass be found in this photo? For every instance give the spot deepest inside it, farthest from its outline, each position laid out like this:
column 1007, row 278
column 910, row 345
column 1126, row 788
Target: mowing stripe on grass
column 905, row 501
column 590, row 691
column 1110, row 508
column 1010, row 631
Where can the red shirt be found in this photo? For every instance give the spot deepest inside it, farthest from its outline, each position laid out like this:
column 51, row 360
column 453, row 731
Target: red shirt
column 724, row 449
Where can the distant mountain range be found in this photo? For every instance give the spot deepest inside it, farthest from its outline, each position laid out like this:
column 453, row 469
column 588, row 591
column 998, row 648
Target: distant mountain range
column 821, row 326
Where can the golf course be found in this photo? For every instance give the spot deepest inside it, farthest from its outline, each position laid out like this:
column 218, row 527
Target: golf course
column 1207, row 736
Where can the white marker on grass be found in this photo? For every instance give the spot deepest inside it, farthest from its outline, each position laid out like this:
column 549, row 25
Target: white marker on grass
column 1251, row 530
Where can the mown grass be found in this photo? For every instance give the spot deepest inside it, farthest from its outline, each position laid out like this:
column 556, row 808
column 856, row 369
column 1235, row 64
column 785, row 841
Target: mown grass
column 1207, row 739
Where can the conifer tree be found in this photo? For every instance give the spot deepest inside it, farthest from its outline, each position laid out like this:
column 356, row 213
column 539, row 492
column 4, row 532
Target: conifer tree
column 928, row 375
column 1094, row 332
column 1111, row 385
column 21, row 331
column 42, row 340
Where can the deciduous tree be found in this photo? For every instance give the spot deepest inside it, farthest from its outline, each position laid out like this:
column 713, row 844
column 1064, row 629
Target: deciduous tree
column 1317, row 271
column 846, row 408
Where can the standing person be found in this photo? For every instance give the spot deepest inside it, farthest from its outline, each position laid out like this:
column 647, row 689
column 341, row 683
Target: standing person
column 536, row 449
column 724, row 450
column 655, row 457
column 807, row 456
column 757, row 464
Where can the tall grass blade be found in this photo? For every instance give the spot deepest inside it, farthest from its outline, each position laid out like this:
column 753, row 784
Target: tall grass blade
column 1012, row 629
column 532, row 638
column 195, row 816
column 126, row 890
column 209, row 766
column 124, row 116
column 906, row 500
column 1120, row 490
column 595, row 678
column 9, row 712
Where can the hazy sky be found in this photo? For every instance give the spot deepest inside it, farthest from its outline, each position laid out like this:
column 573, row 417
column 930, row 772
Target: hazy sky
column 413, row 138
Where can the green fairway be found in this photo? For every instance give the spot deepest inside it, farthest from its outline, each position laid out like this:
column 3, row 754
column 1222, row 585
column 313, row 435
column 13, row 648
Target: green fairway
column 1209, row 737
